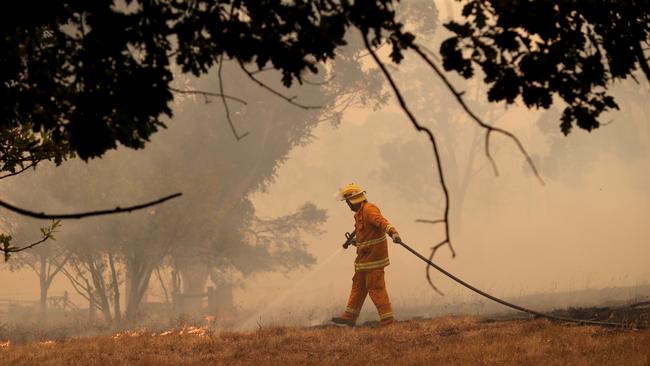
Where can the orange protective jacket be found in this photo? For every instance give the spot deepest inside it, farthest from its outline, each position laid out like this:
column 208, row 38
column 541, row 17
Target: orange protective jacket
column 370, row 232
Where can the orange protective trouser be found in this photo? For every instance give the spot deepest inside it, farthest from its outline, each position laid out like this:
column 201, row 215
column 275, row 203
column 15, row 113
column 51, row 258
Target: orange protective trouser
column 369, row 282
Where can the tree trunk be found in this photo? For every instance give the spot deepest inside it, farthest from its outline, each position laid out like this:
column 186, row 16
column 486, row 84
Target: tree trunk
column 91, row 309
column 100, row 289
column 116, row 290
column 195, row 277
column 44, row 285
column 96, row 272
column 163, row 287
column 138, row 274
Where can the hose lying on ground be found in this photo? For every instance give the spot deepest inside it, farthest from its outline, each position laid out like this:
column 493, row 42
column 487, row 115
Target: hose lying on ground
column 517, row 307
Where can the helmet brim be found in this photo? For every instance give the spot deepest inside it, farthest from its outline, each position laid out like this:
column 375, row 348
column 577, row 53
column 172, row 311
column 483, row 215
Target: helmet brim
column 357, row 198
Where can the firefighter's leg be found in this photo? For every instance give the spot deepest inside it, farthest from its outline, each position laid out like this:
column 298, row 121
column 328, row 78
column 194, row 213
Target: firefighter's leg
column 357, row 296
column 377, row 291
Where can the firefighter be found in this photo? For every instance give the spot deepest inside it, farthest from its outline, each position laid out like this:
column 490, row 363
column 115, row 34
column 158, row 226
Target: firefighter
column 370, row 229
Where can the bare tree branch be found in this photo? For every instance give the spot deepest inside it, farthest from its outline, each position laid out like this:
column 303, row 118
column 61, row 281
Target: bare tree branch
column 58, row 267
column 42, row 215
column 489, row 128
column 487, row 153
column 79, row 286
column 431, row 53
column 76, row 285
column 436, row 152
column 430, row 221
column 208, row 94
column 225, row 104
column 433, row 252
column 18, row 172
column 291, row 100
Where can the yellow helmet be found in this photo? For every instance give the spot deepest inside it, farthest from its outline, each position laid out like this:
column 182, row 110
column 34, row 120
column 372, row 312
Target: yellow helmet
column 353, row 193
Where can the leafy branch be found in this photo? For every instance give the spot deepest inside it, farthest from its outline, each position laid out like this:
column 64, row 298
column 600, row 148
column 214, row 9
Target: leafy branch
column 18, row 171
column 225, row 104
column 47, row 233
column 206, row 94
column 291, row 100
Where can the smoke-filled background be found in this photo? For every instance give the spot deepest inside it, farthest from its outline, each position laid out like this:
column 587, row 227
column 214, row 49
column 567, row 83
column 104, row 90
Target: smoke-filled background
column 256, row 236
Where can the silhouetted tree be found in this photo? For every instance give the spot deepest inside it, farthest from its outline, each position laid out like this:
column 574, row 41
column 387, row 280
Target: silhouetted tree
column 91, row 75
column 46, row 262
column 540, row 49
column 96, row 74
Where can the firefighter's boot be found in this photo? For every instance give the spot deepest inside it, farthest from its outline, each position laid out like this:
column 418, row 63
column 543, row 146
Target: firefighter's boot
column 344, row 321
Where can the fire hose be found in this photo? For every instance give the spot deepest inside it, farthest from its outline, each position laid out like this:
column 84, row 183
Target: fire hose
column 350, row 241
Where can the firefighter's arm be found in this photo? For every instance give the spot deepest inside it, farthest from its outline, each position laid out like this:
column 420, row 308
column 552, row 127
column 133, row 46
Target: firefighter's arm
column 374, row 216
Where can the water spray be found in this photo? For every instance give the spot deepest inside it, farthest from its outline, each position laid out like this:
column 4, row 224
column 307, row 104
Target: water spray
column 283, row 295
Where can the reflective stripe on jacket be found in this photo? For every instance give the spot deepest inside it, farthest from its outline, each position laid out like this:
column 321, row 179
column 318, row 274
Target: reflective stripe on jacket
column 371, row 229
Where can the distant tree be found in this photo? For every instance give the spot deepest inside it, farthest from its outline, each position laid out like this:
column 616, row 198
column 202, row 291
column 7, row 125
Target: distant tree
column 462, row 150
column 246, row 245
column 212, row 226
column 228, row 171
column 626, row 138
column 46, row 261
column 94, row 276
column 463, row 144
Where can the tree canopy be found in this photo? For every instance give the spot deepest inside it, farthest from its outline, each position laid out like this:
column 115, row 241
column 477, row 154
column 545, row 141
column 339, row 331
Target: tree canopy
column 87, row 76
column 540, row 49
column 94, row 74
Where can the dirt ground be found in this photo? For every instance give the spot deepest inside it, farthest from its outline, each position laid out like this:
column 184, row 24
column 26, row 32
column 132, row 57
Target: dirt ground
column 440, row 341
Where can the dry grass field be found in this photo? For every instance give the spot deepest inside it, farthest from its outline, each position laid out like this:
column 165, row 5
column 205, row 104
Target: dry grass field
column 441, row 341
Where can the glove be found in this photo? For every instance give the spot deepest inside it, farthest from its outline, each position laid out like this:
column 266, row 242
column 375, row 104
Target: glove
column 395, row 237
